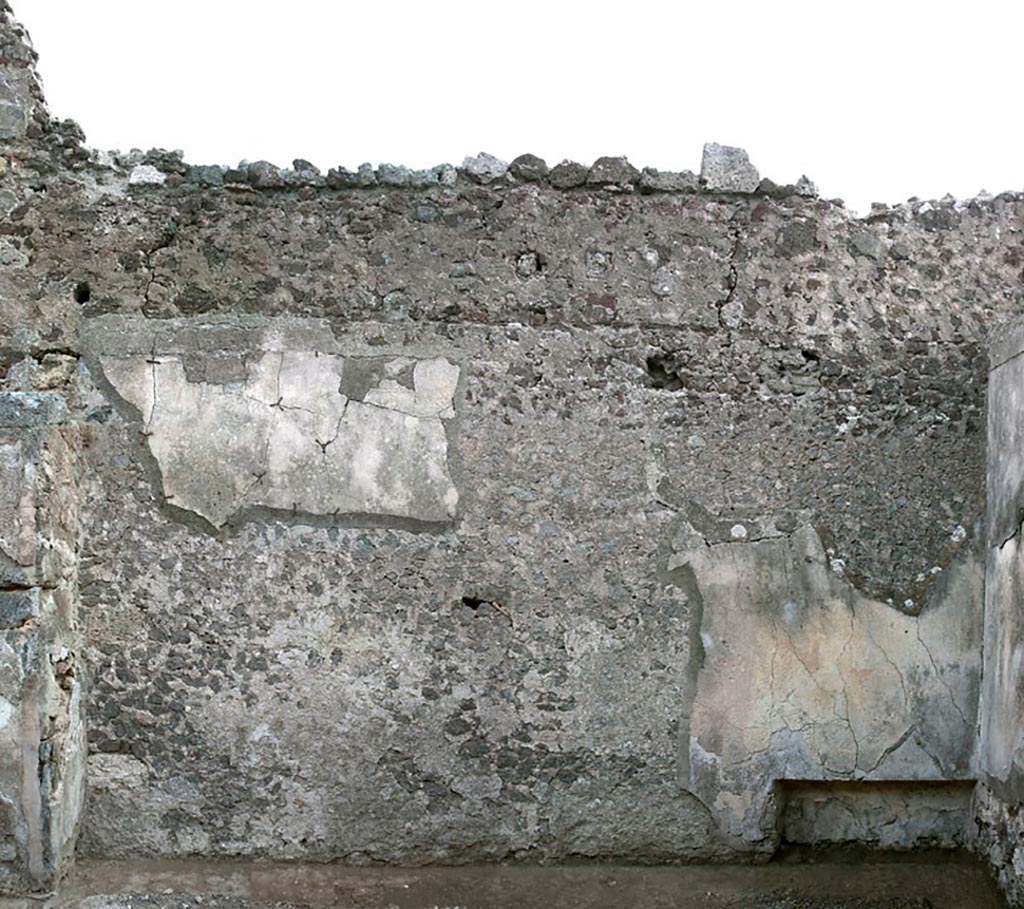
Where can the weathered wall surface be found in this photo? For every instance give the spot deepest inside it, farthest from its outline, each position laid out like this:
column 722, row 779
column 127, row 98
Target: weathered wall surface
column 1001, row 793
column 42, row 738
column 42, row 735
column 657, row 392
column 491, row 512
column 805, row 679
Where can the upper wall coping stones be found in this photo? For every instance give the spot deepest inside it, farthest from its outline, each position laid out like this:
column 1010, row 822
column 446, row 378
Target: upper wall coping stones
column 607, row 173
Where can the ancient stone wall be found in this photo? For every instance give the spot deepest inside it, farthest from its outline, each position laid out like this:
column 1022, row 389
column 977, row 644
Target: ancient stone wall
column 1001, row 792
column 504, row 512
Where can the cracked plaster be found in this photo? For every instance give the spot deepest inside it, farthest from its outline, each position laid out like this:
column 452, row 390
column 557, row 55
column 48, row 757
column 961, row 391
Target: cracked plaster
column 803, row 678
column 286, row 438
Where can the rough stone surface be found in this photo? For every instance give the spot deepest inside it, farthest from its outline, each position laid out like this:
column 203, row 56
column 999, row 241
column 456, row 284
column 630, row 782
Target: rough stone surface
column 484, row 168
column 1001, row 796
column 727, row 169
column 567, row 175
column 469, row 687
column 432, row 515
column 612, row 172
column 652, row 180
column 147, row 175
column 42, row 735
column 529, row 168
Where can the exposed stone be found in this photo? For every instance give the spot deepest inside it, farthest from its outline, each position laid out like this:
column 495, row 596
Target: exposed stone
column 612, row 171
column 304, row 167
column 868, row 244
column 529, row 168
column 206, row 175
column 146, row 175
column 18, row 606
column 340, row 178
column 264, row 175
column 726, row 169
column 392, row 175
column 806, row 187
column 568, row 175
column 469, row 519
column 484, row 168
column 13, row 119
column 657, row 181
column 527, row 264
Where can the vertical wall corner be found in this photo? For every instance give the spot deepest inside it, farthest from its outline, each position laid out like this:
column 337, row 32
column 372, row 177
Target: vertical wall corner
column 42, row 735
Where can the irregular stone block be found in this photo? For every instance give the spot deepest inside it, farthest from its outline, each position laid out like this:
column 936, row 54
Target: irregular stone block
column 658, row 181
column 393, row 175
column 18, row 606
column 529, row 168
column 612, row 171
column 726, row 169
column 868, row 244
column 13, row 119
column 39, row 506
column 28, row 409
column 146, row 175
column 484, row 168
column 567, row 175
column 264, row 175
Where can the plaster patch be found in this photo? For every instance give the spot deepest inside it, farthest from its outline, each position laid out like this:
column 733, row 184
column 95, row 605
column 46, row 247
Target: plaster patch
column 286, row 438
column 805, row 679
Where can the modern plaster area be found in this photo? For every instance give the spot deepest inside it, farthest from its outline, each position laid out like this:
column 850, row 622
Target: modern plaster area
column 500, row 514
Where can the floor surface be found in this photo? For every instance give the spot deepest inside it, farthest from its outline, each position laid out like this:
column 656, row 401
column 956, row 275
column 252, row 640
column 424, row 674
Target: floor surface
column 917, row 881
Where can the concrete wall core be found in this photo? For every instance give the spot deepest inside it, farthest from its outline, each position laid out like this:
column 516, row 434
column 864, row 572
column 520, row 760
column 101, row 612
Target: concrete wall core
column 497, row 512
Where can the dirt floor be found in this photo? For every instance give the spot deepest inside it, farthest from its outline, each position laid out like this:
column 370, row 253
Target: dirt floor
column 913, row 881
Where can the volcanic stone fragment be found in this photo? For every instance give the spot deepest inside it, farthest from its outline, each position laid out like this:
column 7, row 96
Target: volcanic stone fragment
column 264, row 175
column 667, row 181
column 867, row 244
column 393, row 175
column 612, row 171
column 484, row 168
column 727, row 169
column 529, row 168
column 568, row 175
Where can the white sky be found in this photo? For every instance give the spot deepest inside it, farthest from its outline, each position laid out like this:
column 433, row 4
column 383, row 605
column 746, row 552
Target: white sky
column 872, row 100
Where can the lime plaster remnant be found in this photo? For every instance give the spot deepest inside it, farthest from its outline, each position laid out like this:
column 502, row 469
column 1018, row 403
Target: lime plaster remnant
column 285, row 437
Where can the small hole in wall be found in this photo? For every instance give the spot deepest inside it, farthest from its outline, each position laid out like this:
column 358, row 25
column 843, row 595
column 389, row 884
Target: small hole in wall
column 82, row 292
column 661, row 373
column 473, row 602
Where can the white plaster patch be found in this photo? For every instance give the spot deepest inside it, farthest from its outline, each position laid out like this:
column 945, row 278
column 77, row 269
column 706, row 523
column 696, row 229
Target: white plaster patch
column 6, row 712
column 286, row 438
